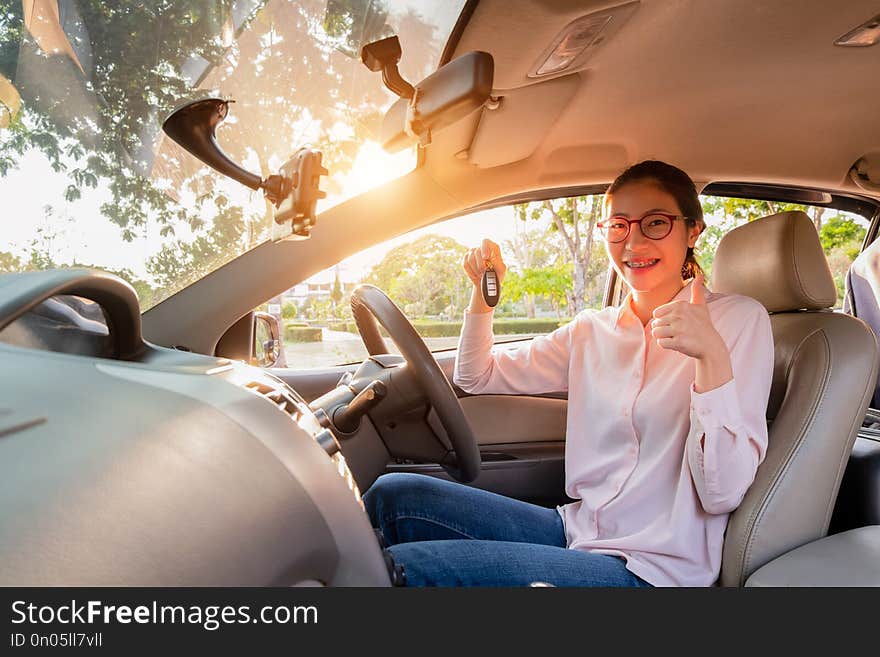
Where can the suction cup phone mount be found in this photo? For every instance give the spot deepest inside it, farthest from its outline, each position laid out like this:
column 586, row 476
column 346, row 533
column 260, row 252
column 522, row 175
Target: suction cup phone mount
column 296, row 187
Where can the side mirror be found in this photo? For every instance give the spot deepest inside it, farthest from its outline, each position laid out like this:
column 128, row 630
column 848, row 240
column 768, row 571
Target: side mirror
column 268, row 349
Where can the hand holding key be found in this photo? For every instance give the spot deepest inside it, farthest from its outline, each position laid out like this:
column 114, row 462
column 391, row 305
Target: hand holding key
column 485, row 268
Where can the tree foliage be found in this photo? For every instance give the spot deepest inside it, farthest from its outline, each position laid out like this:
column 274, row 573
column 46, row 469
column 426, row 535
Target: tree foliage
column 182, row 262
column 425, row 277
column 9, row 263
column 553, row 283
column 840, row 235
column 96, row 117
column 572, row 232
column 101, row 123
column 841, row 232
column 336, row 292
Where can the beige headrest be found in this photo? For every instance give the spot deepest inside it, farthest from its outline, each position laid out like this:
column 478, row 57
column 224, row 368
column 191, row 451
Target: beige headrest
column 777, row 260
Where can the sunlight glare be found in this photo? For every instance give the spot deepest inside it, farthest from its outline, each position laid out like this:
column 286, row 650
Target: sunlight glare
column 372, row 167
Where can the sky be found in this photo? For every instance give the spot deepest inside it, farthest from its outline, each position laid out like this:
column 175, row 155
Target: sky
column 497, row 224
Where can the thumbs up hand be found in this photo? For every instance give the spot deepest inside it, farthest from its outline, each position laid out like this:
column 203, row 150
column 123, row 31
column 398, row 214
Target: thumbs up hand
column 685, row 326
column 698, row 294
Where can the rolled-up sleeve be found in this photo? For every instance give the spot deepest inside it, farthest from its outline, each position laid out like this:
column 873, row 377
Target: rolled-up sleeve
column 728, row 435
column 538, row 365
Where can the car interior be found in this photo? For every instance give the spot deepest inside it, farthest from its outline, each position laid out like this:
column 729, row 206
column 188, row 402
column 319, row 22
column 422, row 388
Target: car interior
column 146, row 447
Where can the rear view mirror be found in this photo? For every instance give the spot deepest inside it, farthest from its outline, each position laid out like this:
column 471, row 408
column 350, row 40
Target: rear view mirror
column 449, row 94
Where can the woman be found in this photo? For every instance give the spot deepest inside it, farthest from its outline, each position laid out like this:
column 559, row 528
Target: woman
column 667, row 396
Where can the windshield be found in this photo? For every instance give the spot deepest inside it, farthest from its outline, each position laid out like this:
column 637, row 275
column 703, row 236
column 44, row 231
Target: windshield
column 88, row 178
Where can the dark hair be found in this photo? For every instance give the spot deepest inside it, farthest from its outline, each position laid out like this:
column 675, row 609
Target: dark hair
column 677, row 184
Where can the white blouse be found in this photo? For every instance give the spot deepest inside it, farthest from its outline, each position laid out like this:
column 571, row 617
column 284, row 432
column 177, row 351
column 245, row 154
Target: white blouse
column 645, row 488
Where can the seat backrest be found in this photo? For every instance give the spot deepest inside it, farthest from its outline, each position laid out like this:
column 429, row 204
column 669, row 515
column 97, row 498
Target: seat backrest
column 863, row 294
column 823, row 378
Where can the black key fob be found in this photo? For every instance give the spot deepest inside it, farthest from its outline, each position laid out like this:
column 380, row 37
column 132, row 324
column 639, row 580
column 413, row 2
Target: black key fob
column 491, row 288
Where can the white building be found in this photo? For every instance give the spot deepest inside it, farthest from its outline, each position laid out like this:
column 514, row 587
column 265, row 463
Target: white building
column 320, row 286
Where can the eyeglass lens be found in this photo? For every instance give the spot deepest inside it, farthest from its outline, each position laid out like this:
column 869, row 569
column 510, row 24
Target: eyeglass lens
column 654, row 226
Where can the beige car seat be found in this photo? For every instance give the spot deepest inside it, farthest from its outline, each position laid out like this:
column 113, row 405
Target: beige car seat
column 824, row 376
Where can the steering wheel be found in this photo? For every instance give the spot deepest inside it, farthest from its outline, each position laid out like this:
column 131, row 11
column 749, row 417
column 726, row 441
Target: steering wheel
column 369, row 304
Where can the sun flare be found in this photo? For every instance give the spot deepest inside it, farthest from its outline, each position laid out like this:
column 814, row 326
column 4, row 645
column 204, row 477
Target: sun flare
column 372, row 167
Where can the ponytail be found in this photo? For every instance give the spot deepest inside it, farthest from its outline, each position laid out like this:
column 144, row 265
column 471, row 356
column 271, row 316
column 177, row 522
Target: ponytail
column 691, row 267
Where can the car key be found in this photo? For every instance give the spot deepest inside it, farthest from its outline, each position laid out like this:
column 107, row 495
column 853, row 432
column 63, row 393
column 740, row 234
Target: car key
column 490, row 285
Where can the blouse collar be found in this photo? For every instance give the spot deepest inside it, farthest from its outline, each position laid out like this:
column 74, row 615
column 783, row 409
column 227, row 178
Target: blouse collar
column 626, row 309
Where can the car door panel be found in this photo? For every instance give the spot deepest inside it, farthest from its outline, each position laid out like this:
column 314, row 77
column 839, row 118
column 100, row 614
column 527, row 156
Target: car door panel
column 531, row 472
column 521, row 438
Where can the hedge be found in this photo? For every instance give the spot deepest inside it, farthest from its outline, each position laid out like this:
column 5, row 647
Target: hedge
column 302, row 333
column 437, row 329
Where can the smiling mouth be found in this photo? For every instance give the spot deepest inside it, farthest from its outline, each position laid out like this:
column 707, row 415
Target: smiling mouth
column 641, row 264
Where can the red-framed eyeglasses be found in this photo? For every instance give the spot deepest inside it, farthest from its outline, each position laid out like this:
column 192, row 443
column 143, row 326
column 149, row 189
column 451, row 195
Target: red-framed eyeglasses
column 654, row 225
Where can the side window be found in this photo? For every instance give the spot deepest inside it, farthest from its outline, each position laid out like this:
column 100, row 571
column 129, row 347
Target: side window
column 556, row 267
column 556, row 261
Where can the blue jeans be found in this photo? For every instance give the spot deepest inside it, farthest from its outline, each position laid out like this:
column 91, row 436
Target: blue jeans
column 445, row 533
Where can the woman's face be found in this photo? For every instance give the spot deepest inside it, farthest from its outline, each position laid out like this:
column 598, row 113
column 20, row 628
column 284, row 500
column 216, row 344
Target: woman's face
column 644, row 263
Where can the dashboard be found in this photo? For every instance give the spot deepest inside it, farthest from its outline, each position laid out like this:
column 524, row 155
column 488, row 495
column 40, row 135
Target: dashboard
column 123, row 463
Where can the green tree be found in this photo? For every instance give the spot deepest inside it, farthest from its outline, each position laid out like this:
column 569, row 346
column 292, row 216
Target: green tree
column 289, row 310
column 573, row 220
column 183, row 262
column 353, row 23
column 841, row 231
column 531, row 248
column 336, row 292
column 122, row 96
column 841, row 239
column 553, row 282
column 424, row 275
column 9, row 263
column 741, row 210
column 98, row 119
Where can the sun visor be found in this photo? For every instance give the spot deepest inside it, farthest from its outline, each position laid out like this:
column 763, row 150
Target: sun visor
column 511, row 129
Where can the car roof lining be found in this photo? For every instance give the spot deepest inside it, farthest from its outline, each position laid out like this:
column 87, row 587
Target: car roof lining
column 766, row 96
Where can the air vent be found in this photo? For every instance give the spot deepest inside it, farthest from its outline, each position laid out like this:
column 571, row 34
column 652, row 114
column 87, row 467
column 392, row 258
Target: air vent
column 278, row 396
column 287, row 400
